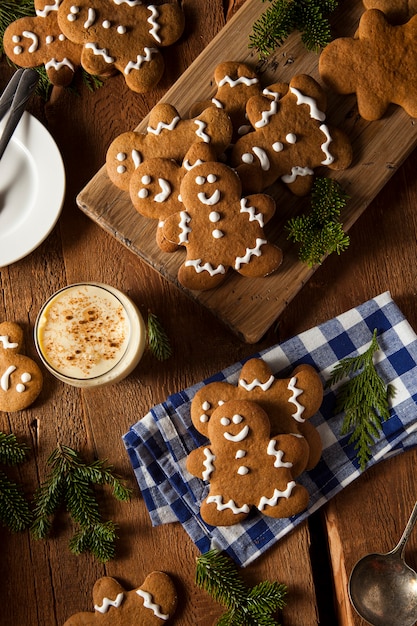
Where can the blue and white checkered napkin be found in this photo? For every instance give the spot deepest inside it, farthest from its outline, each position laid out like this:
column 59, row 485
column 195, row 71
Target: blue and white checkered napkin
column 159, row 443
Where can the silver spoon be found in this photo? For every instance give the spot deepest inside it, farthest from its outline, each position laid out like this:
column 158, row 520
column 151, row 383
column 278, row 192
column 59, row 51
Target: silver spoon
column 383, row 588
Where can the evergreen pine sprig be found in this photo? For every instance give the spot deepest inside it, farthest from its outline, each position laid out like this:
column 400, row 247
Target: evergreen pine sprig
column 320, row 232
column 14, row 508
column 309, row 17
column 158, row 340
column 216, row 574
column 364, row 398
column 69, row 482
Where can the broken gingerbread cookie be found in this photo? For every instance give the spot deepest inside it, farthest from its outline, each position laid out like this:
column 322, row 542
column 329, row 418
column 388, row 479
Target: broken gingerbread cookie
column 151, row 604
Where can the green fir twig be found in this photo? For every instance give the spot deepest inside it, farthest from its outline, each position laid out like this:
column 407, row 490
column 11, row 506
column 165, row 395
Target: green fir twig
column 158, row 340
column 69, row 482
column 320, row 232
column 217, row 574
column 364, row 398
column 15, row 513
column 282, row 17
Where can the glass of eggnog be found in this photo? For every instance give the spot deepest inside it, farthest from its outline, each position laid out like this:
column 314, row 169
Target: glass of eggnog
column 90, row 334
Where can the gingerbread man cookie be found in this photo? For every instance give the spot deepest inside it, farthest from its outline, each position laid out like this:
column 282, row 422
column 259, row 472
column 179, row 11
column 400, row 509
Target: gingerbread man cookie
column 220, row 228
column 167, row 136
column 39, row 40
column 246, row 467
column 151, row 604
column 289, row 402
column 379, row 65
column 155, row 187
column 20, row 377
column 291, row 139
column 122, row 36
column 397, row 11
column 236, row 83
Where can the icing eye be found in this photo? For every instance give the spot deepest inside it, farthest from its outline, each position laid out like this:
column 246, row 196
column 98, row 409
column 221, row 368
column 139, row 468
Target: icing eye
column 247, row 157
column 61, row 37
column 15, row 38
column 121, row 156
column 291, row 138
column 214, row 217
column 26, row 377
column 204, row 418
column 200, row 180
column 225, row 421
column 145, row 180
column 220, row 402
column 237, row 419
column 121, row 30
column 217, row 234
column 242, row 470
column 206, row 406
column 106, row 24
column 143, row 193
column 277, row 146
column 211, row 178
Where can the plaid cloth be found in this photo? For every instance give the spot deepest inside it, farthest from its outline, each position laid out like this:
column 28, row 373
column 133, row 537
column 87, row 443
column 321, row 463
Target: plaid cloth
column 159, row 443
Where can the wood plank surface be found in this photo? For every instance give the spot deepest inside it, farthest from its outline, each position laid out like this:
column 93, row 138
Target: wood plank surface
column 41, row 582
column 249, row 306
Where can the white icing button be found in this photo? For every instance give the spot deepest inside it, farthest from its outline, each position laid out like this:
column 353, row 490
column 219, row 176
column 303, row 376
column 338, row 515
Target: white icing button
column 240, row 454
column 106, row 24
column 121, row 30
column 121, row 169
column 204, row 418
column 291, row 138
column 217, row 234
column 49, row 39
column 61, row 37
column 225, row 421
column 214, row 217
column 242, row 470
column 277, row 146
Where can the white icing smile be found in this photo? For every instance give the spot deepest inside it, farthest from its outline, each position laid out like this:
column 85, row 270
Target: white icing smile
column 209, row 200
column 241, row 435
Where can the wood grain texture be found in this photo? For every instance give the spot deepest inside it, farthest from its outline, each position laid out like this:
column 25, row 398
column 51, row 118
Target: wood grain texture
column 42, row 583
column 250, row 306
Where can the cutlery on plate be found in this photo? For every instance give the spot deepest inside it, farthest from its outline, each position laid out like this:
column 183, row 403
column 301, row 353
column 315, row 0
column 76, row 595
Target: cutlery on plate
column 15, row 98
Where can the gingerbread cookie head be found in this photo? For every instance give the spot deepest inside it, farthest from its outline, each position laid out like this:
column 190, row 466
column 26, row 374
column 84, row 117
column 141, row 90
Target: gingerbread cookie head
column 20, row 377
column 363, row 66
column 289, row 402
column 167, row 136
column 151, row 604
column 39, row 40
column 122, row 36
column 291, row 139
column 247, row 468
column 220, row 228
column 236, row 83
column 397, row 11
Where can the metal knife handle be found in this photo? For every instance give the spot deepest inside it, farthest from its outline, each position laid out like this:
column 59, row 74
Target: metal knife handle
column 25, row 88
column 7, row 96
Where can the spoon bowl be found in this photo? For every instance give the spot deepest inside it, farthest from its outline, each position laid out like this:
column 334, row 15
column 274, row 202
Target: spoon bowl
column 383, row 588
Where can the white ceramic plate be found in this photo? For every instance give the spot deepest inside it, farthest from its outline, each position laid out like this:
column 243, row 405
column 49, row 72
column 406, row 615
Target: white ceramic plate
column 32, row 188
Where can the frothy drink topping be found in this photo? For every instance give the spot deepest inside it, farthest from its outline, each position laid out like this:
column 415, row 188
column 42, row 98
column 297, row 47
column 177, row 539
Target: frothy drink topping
column 84, row 331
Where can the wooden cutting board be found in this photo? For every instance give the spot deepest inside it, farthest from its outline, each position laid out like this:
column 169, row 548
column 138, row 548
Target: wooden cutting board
column 250, row 306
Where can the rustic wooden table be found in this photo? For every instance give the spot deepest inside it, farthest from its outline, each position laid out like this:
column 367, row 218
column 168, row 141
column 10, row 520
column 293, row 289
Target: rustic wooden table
column 42, row 583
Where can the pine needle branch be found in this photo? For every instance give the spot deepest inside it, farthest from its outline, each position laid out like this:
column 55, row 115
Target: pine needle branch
column 158, row 340
column 320, row 232
column 14, row 508
column 282, row 17
column 364, row 398
column 70, row 482
column 217, row 574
